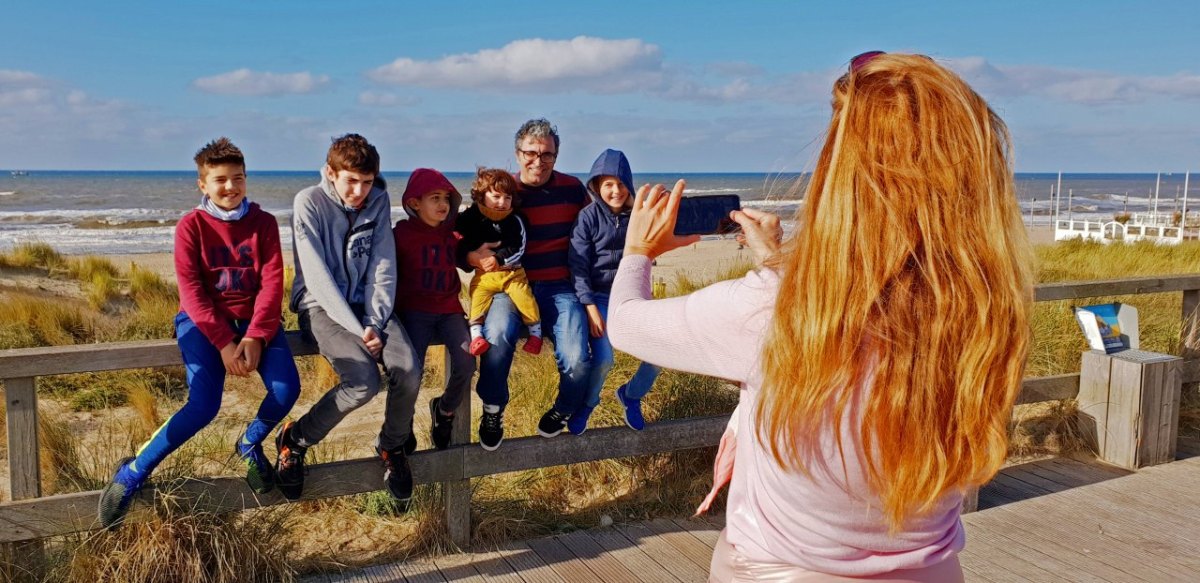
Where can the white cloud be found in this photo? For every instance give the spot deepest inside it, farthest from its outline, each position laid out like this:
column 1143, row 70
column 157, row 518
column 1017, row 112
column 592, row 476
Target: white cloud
column 383, row 99
column 1083, row 86
column 261, row 83
column 582, row 63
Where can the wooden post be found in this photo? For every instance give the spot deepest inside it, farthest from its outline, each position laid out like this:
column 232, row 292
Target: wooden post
column 24, row 471
column 1189, row 333
column 456, row 494
column 1132, row 397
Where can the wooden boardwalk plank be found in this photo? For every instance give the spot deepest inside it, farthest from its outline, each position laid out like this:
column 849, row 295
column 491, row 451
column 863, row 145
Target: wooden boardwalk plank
column 492, row 566
column 692, row 548
column 562, row 560
column 703, row 530
column 420, row 571
column 664, row 553
column 527, row 562
column 630, row 554
column 605, row 566
column 458, row 567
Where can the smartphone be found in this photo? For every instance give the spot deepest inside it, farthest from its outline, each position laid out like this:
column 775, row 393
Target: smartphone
column 707, row 215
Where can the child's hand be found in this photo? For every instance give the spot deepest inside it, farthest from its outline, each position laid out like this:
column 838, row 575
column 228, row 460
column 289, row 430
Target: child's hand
column 595, row 321
column 488, row 264
column 373, row 341
column 250, row 351
column 475, row 258
column 231, row 356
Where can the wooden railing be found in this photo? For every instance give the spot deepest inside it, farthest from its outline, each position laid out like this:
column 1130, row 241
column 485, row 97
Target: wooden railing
column 29, row 516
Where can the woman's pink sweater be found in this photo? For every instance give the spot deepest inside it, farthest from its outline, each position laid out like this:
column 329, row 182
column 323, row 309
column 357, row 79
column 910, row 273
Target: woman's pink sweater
column 828, row 521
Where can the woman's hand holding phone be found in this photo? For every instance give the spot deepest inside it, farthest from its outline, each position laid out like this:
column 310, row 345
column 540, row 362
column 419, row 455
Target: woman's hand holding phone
column 761, row 231
column 652, row 221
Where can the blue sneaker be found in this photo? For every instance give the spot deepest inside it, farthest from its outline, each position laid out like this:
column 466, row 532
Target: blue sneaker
column 118, row 495
column 260, row 475
column 633, row 410
column 577, row 424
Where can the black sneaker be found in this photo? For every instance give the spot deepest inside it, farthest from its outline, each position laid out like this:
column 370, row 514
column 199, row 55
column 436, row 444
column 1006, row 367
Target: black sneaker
column 397, row 475
column 440, row 426
column 552, row 423
column 491, row 427
column 118, row 495
column 289, row 463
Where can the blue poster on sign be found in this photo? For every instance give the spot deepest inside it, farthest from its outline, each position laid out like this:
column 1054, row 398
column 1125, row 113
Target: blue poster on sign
column 1109, row 327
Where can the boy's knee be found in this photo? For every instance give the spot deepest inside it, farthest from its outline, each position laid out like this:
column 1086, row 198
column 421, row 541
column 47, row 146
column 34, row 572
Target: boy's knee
column 404, row 380
column 362, row 383
column 202, row 412
column 577, row 368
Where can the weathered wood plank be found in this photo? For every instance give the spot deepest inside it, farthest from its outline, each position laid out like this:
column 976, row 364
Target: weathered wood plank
column 458, row 567
column 562, row 561
column 704, row 531
column 527, row 562
column 54, row 360
column 1115, row 287
column 1018, row 561
column 663, row 553
column 601, row 443
column 24, row 467
column 605, row 566
column 456, row 494
column 494, row 568
column 685, row 544
column 74, row 512
column 645, row 568
column 419, row 571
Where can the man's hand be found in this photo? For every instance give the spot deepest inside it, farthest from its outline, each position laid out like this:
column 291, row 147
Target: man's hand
column 595, row 321
column 373, row 341
column 488, row 264
column 231, row 357
column 250, row 351
column 476, row 258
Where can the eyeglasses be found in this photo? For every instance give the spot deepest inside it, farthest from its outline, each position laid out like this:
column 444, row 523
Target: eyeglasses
column 860, row 60
column 545, row 157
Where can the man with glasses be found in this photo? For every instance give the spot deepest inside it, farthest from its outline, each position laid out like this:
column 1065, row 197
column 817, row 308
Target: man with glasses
column 550, row 202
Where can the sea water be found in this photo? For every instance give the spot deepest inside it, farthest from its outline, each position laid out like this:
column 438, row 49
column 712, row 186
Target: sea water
column 117, row 212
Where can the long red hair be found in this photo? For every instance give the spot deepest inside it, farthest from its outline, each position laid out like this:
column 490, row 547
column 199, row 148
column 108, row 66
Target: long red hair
column 909, row 270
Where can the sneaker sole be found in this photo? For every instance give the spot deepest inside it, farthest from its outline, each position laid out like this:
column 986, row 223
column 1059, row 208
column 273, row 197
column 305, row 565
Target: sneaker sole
column 100, row 510
column 555, row 434
column 492, row 448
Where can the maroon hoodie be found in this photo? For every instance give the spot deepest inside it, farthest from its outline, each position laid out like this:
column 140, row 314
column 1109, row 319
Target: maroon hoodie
column 230, row 270
column 426, row 278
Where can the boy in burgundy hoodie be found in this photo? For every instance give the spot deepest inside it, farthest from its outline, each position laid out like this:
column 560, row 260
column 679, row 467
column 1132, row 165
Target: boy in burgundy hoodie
column 428, row 286
column 230, row 274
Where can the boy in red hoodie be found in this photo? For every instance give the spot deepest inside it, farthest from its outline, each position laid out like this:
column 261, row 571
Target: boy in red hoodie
column 230, row 274
column 428, row 287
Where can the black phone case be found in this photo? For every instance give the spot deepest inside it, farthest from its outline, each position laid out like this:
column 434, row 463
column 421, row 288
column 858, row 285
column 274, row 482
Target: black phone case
column 707, row 215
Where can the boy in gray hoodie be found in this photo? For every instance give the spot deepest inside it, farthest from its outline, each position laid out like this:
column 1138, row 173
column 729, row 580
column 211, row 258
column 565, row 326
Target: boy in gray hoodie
column 344, row 291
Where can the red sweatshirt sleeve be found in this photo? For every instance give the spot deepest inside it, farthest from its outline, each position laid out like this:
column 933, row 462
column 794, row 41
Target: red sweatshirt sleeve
column 189, row 276
column 268, row 303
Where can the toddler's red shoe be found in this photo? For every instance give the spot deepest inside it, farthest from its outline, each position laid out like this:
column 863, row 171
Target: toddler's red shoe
column 533, row 345
column 479, row 346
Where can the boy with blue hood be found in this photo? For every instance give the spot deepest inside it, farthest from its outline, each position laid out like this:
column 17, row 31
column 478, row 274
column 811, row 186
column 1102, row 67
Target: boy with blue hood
column 344, row 292
column 597, row 244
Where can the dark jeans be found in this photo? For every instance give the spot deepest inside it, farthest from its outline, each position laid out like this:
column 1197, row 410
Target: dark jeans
column 423, row 329
column 564, row 322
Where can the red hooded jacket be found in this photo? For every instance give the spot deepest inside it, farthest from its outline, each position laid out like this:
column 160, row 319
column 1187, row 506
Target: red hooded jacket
column 427, row 279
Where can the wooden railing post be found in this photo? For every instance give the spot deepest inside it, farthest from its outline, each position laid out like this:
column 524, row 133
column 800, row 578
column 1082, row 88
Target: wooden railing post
column 24, row 471
column 456, row 494
column 1189, row 332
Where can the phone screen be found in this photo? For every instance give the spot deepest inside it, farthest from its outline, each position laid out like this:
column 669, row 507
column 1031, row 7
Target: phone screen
column 707, row 215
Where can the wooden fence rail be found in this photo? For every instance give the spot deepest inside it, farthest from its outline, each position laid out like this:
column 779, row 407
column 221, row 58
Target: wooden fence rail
column 29, row 516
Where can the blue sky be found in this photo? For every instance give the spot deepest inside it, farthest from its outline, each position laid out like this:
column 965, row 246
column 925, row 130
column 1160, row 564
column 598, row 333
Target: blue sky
column 680, row 86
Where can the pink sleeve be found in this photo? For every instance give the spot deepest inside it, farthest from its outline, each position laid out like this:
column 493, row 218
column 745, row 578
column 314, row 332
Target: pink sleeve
column 716, row 331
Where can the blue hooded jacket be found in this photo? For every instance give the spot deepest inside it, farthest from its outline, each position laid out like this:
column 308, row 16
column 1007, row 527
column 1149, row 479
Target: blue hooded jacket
column 598, row 239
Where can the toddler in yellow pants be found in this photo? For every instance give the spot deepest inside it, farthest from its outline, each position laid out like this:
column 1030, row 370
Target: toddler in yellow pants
column 493, row 219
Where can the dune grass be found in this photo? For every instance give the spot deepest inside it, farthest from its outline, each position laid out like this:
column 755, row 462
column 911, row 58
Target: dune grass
column 329, row 534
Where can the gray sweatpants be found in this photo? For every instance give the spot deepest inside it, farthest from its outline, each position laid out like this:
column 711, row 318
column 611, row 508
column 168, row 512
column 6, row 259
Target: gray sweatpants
column 360, row 380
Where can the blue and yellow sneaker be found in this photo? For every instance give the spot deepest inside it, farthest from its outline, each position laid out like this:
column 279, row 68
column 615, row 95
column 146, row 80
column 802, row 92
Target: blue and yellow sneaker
column 118, row 495
column 259, row 473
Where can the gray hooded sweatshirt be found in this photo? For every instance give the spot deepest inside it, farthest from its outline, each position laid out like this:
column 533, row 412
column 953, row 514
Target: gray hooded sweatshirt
column 344, row 257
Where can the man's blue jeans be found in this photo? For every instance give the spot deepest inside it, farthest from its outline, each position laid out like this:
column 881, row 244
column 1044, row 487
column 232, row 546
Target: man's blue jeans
column 602, row 363
column 564, row 322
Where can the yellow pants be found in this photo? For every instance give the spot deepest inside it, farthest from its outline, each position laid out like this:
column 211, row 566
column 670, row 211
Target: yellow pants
column 512, row 282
